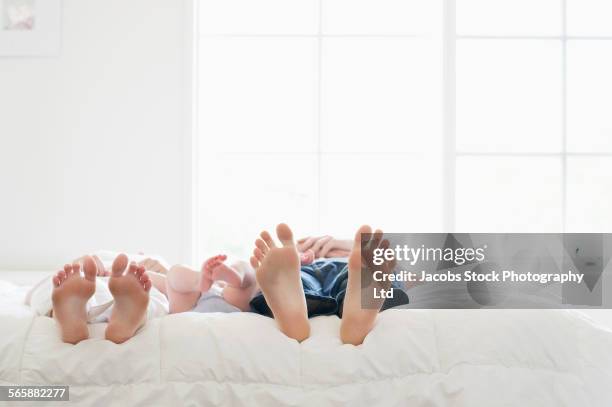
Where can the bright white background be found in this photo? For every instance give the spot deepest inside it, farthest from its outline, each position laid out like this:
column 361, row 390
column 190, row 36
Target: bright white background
column 91, row 142
column 413, row 115
column 419, row 115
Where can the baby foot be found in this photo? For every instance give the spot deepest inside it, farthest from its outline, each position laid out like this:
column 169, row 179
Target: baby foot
column 277, row 270
column 70, row 294
column 357, row 318
column 214, row 269
column 131, row 293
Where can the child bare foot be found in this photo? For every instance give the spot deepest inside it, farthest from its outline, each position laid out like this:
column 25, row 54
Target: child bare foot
column 357, row 319
column 215, row 269
column 70, row 294
column 277, row 270
column 131, row 293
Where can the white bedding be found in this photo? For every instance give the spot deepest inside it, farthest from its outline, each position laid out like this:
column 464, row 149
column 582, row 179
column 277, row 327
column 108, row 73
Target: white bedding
column 412, row 357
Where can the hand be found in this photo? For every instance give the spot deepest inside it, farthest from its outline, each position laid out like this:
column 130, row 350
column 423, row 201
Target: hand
column 325, row 246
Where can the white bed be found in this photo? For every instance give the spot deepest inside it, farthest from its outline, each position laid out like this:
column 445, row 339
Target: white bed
column 416, row 358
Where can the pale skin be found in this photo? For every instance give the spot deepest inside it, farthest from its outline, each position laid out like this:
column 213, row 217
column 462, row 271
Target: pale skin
column 277, row 270
column 183, row 287
column 325, row 246
column 129, row 285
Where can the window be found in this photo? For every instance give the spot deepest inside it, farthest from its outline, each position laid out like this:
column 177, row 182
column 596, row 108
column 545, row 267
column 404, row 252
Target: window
column 411, row 115
column 533, row 130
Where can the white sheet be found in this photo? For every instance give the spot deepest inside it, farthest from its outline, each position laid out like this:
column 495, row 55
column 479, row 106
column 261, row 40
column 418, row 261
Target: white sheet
column 412, row 357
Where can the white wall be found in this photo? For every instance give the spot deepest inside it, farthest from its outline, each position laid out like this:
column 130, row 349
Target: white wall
column 91, row 141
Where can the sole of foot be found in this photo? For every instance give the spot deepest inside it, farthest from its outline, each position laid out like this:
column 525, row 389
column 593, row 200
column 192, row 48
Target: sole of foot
column 130, row 289
column 357, row 320
column 277, row 271
column 71, row 290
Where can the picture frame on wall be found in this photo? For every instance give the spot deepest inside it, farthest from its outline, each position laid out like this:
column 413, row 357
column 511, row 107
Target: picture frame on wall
column 30, row 27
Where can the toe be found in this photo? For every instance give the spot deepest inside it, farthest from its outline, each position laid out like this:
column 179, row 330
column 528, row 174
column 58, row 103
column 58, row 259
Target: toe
column 254, row 262
column 99, row 265
column 376, row 238
column 261, row 245
column 268, row 239
column 56, row 281
column 384, row 244
column 206, row 265
column 61, row 275
column 133, row 268
column 90, row 269
column 285, row 235
column 119, row 265
column 76, row 268
column 140, row 271
column 67, row 269
column 259, row 255
column 147, row 286
column 144, row 278
column 364, row 230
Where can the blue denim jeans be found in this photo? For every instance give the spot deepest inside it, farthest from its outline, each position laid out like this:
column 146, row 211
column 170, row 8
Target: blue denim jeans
column 324, row 283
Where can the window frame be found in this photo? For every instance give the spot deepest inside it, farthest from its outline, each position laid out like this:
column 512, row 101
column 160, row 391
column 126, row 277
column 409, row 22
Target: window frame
column 450, row 154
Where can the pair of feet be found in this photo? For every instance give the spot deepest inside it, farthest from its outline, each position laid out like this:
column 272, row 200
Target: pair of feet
column 129, row 285
column 277, row 271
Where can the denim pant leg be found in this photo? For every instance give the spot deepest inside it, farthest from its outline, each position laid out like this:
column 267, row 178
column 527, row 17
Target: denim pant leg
column 316, row 301
column 324, row 284
column 336, row 282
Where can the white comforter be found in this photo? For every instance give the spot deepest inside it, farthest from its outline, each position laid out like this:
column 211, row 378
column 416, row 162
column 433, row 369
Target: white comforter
column 415, row 358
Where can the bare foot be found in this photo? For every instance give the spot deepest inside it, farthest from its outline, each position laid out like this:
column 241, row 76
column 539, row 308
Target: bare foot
column 131, row 293
column 70, row 294
column 277, row 270
column 357, row 318
column 214, row 269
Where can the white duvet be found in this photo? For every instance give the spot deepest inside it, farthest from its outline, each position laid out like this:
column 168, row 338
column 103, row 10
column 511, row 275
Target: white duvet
column 411, row 358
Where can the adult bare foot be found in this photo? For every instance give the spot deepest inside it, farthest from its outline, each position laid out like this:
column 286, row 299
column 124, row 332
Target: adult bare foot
column 70, row 294
column 357, row 318
column 215, row 269
column 130, row 290
column 277, row 270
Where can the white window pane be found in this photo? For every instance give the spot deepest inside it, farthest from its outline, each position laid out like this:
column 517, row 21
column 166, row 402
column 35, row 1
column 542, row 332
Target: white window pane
column 380, row 95
column 257, row 94
column 589, row 193
column 509, row 96
column 509, row 194
column 589, row 91
column 509, row 17
column 398, row 193
column 241, row 194
column 406, row 17
column 589, row 17
column 258, row 17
